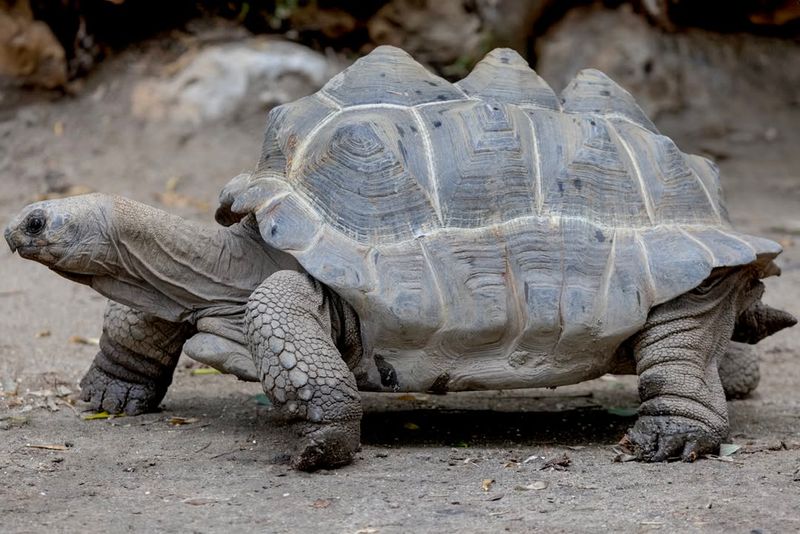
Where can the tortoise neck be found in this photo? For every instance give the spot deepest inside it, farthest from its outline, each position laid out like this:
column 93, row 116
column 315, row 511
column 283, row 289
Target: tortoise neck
column 181, row 270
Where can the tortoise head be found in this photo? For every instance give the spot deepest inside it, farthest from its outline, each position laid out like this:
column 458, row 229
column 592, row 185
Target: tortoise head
column 63, row 234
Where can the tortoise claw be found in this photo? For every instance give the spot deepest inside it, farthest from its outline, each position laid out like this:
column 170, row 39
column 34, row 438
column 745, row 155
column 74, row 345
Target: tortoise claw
column 661, row 438
column 111, row 394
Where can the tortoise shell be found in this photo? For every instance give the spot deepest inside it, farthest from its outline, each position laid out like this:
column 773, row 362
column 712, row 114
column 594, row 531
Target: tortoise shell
column 488, row 221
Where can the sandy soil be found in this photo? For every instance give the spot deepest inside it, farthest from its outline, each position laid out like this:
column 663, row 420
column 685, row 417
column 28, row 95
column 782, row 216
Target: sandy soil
column 426, row 459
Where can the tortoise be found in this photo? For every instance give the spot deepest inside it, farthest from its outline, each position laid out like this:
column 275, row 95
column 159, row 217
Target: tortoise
column 404, row 233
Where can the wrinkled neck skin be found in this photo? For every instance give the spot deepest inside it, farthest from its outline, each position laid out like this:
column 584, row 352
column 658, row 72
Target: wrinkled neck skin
column 176, row 269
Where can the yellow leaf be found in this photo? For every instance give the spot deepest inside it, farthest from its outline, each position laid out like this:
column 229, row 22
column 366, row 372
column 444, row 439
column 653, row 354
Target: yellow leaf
column 206, row 371
column 98, row 415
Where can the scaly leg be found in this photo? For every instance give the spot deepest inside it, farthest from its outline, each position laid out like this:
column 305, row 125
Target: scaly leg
column 738, row 370
column 291, row 337
column 138, row 354
column 683, row 411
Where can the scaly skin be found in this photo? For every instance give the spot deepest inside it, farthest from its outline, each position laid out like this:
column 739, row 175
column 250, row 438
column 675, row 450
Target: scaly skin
column 138, row 354
column 683, row 411
column 738, row 371
column 290, row 331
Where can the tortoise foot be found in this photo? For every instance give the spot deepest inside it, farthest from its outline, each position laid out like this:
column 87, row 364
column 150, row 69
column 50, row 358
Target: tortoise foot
column 326, row 445
column 105, row 392
column 660, row 438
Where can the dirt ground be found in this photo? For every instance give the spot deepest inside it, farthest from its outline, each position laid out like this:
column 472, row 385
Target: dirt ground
column 212, row 460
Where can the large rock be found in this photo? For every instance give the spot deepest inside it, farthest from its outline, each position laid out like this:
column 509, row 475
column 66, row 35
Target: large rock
column 443, row 34
column 220, row 79
column 29, row 52
column 712, row 79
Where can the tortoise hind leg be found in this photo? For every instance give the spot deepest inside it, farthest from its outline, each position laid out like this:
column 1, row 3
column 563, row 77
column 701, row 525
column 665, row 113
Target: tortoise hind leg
column 683, row 411
column 290, row 335
column 133, row 369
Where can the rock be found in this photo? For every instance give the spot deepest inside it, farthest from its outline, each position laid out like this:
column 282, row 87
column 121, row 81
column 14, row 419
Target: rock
column 692, row 74
column 444, row 35
column 514, row 23
column 29, row 52
column 221, row 79
column 734, row 16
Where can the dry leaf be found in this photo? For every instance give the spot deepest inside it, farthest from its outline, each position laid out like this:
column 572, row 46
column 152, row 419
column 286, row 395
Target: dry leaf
column 84, row 340
column 48, row 447
column 727, row 449
column 58, row 128
column 559, row 463
column 199, row 501
column 321, row 503
column 538, row 485
column 177, row 421
column 43, row 333
column 624, row 457
column 486, row 484
column 719, row 458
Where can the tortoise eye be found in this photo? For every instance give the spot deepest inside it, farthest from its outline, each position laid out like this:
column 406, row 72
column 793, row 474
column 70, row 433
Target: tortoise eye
column 35, row 223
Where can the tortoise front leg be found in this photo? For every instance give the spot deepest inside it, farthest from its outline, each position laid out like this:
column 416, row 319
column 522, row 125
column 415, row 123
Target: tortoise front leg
column 138, row 354
column 683, row 411
column 291, row 337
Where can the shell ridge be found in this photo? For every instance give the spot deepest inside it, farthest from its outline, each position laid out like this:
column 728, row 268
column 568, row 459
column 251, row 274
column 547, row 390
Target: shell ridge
column 740, row 240
column 300, row 153
column 605, row 284
column 712, row 257
column 706, row 192
column 651, row 284
column 648, row 202
column 429, row 156
column 439, row 291
column 518, row 319
column 537, row 165
column 561, row 292
column 328, row 99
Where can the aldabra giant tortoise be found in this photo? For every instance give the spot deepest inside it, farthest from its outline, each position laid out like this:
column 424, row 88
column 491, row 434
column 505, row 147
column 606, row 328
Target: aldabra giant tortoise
column 402, row 233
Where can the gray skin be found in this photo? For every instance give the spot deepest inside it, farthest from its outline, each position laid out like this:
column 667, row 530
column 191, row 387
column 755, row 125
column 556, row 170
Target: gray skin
column 229, row 300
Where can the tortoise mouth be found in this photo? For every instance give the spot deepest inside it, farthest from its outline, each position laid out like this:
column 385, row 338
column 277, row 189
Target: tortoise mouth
column 29, row 252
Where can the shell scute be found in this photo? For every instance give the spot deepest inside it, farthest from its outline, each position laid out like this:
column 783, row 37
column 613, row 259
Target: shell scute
column 367, row 176
column 388, row 75
column 504, row 76
column 592, row 180
column 593, row 92
column 481, row 164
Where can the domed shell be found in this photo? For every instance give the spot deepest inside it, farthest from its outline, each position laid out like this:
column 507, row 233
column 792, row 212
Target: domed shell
column 490, row 205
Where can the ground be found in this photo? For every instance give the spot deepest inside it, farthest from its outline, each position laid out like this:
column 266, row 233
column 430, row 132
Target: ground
column 213, row 461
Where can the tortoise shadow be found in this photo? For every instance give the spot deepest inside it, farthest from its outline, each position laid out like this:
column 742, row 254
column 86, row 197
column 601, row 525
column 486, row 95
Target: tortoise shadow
column 461, row 428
